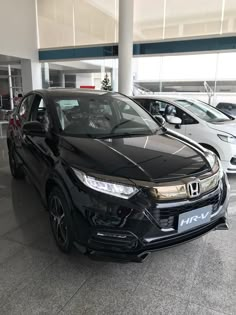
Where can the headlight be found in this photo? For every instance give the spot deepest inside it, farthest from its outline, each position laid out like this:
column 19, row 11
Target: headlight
column 211, row 158
column 113, row 189
column 229, row 138
column 210, row 183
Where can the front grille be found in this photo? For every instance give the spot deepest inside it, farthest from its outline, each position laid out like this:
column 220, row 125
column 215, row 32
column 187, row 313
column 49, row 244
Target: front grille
column 168, row 217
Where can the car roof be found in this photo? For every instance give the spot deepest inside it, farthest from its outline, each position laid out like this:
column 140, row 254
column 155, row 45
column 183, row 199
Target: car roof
column 160, row 98
column 64, row 92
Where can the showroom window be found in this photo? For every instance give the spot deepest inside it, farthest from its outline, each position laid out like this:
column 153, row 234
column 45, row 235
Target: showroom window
column 207, row 76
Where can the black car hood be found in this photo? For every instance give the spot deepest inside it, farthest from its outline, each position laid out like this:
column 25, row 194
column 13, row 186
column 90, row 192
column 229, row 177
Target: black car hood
column 145, row 158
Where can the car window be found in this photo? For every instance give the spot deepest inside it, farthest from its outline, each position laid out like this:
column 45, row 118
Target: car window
column 221, row 106
column 68, row 104
column 228, row 106
column 104, row 115
column 145, row 103
column 155, row 107
column 25, row 107
column 203, row 111
column 171, row 110
column 39, row 112
column 128, row 111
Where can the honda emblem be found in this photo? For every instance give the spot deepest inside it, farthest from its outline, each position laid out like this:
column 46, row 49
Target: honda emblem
column 194, row 189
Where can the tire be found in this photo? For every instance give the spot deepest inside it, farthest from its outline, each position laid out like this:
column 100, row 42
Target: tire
column 16, row 169
column 59, row 207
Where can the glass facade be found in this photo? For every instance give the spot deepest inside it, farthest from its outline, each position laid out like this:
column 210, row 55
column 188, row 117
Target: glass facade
column 80, row 74
column 206, row 76
column 64, row 23
column 210, row 76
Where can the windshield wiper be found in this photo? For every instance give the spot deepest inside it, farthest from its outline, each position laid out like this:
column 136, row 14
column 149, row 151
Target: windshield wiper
column 120, row 124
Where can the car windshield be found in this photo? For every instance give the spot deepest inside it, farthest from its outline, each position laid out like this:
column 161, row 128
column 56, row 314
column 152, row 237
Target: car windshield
column 203, row 111
column 102, row 116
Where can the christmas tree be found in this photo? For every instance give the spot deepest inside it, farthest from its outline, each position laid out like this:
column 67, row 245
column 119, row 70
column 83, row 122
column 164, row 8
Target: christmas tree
column 106, row 86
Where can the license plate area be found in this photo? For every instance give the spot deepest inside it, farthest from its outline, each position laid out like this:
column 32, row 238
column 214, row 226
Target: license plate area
column 194, row 218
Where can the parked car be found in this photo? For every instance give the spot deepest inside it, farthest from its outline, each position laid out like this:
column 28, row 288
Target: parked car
column 227, row 108
column 115, row 182
column 201, row 122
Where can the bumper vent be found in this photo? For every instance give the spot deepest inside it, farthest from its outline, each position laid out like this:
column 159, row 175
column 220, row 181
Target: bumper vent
column 112, row 240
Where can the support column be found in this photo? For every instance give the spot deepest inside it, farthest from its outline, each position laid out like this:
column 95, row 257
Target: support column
column 45, row 75
column 10, row 87
column 31, row 75
column 126, row 12
column 61, row 79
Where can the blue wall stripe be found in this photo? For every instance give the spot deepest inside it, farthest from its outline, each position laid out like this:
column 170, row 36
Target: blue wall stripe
column 181, row 46
column 77, row 53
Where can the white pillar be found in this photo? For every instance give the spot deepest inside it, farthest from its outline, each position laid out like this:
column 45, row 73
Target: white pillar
column 31, row 75
column 126, row 12
column 45, row 75
column 62, row 79
column 10, row 87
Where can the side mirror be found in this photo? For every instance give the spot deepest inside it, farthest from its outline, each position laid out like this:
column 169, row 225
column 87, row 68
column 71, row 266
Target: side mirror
column 34, row 128
column 173, row 120
column 161, row 120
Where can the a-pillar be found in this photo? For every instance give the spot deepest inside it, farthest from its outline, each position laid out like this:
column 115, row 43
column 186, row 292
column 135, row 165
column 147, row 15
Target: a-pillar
column 125, row 76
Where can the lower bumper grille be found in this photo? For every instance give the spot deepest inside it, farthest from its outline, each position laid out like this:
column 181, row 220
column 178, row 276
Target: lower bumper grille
column 113, row 240
column 168, row 217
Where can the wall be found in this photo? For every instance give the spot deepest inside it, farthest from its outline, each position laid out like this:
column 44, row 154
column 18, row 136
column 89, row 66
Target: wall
column 18, row 38
column 18, row 29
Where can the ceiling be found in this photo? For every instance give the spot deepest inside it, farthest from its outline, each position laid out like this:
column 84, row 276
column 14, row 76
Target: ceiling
column 5, row 60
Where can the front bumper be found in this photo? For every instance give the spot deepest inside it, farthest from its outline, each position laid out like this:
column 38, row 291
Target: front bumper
column 228, row 157
column 139, row 256
column 143, row 227
column 228, row 166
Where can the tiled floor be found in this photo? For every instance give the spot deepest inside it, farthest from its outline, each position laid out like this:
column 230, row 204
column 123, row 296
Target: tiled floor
column 35, row 278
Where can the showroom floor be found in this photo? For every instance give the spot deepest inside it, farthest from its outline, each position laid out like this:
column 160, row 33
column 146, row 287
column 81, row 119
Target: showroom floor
column 35, row 278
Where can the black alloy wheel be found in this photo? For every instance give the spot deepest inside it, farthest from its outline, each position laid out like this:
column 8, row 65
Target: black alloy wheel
column 58, row 220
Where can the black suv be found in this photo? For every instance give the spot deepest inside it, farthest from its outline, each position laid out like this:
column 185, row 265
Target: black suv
column 114, row 180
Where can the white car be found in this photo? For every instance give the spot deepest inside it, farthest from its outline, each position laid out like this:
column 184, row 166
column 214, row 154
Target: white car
column 199, row 121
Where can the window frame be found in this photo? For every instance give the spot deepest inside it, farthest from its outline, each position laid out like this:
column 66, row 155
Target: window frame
column 41, row 97
column 195, row 121
column 27, row 96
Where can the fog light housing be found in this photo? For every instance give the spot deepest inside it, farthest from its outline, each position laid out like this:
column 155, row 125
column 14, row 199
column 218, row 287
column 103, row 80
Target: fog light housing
column 233, row 161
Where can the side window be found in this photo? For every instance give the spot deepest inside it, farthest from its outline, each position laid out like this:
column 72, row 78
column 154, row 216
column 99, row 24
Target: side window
column 144, row 103
column 172, row 110
column 25, row 108
column 162, row 107
column 155, row 107
column 220, row 106
column 188, row 120
column 39, row 112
